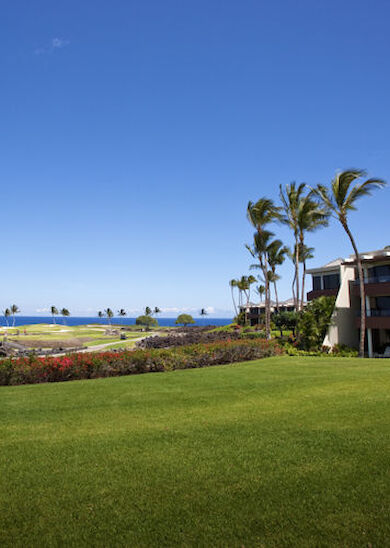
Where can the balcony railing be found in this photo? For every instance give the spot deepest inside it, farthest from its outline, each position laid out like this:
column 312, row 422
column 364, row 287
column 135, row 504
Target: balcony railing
column 374, row 280
column 376, row 313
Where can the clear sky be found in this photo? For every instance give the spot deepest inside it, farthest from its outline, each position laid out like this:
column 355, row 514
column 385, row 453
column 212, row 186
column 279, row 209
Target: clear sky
column 133, row 134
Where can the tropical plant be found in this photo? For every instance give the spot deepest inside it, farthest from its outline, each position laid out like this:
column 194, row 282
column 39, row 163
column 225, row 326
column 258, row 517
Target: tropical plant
column 340, row 199
column 148, row 311
column 65, row 313
column 232, row 284
column 260, row 290
column 276, row 257
column 314, row 321
column 54, row 313
column 109, row 314
column 7, row 314
column 203, row 312
column 100, row 314
column 184, row 319
column 285, row 320
column 122, row 312
column 156, row 310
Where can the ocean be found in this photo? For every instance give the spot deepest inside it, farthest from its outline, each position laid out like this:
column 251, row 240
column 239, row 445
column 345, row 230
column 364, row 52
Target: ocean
column 164, row 322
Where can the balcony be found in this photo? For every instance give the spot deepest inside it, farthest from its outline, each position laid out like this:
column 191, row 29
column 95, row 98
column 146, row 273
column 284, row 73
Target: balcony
column 374, row 280
column 375, row 319
column 315, row 293
column 374, row 287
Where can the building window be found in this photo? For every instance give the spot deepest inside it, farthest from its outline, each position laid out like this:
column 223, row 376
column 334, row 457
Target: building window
column 383, row 303
column 331, row 281
column 316, row 283
column 382, row 271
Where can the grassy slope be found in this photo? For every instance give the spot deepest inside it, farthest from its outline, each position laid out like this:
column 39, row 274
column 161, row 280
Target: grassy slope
column 283, row 451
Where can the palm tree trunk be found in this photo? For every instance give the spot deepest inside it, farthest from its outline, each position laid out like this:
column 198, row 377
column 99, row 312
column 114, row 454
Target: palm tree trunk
column 293, row 289
column 234, row 302
column 303, row 284
column 297, row 273
column 276, row 297
column 267, row 300
column 362, row 291
column 13, row 320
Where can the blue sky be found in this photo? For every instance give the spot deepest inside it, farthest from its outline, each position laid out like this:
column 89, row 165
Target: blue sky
column 134, row 133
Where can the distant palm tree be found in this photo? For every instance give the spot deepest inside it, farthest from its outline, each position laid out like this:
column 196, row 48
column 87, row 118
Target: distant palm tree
column 156, row 310
column 100, row 314
column 260, row 290
column 122, row 312
column 203, row 312
column 276, row 257
column 340, row 199
column 65, row 313
column 7, row 314
column 148, row 311
column 109, row 314
column 14, row 310
column 54, row 313
column 233, row 284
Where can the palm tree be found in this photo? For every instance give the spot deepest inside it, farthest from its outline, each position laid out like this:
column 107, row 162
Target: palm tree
column 54, row 313
column 203, row 312
column 14, row 310
column 122, row 312
column 340, row 199
column 311, row 216
column 305, row 254
column 260, row 214
column 109, row 313
column 259, row 250
column 291, row 196
column 260, row 290
column 100, row 314
column 276, row 257
column 148, row 311
column 65, row 313
column 233, row 283
column 7, row 314
column 156, row 310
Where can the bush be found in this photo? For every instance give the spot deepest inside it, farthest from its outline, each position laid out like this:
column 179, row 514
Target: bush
column 184, row 319
column 313, row 323
column 196, row 336
column 147, row 321
column 31, row 370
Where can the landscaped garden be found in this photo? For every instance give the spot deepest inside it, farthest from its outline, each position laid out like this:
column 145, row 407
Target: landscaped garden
column 283, row 451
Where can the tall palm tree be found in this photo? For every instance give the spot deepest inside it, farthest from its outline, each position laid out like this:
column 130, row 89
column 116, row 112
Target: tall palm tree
column 260, row 290
column 122, row 312
column 345, row 189
column 156, row 310
column 54, row 313
column 203, row 312
column 100, row 314
column 233, row 283
column 14, row 310
column 276, row 257
column 291, row 196
column 148, row 311
column 259, row 250
column 65, row 313
column 305, row 254
column 260, row 215
column 312, row 215
column 7, row 314
column 109, row 314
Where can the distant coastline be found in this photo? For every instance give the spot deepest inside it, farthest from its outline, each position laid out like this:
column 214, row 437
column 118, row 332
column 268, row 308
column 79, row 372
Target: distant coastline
column 83, row 320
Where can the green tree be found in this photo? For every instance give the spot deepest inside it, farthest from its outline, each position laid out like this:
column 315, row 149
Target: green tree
column 147, row 321
column 122, row 312
column 109, row 314
column 340, row 199
column 65, row 313
column 260, row 215
column 314, row 321
column 203, row 312
column 260, row 290
column 7, row 314
column 100, row 314
column 148, row 311
column 156, row 310
column 285, row 320
column 54, row 313
column 184, row 319
column 232, row 284
column 276, row 257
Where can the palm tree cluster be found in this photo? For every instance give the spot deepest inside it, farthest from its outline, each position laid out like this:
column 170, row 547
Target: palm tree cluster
column 54, row 312
column 11, row 311
column 303, row 209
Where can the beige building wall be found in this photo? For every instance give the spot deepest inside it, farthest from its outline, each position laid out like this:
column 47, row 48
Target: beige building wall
column 342, row 329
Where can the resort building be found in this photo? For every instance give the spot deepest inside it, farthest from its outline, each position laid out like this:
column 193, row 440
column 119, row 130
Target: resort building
column 255, row 312
column 340, row 278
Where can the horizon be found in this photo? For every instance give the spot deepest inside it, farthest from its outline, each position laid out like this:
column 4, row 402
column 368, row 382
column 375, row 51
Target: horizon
column 133, row 137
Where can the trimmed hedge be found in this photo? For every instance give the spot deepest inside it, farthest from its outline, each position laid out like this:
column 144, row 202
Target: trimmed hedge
column 31, row 370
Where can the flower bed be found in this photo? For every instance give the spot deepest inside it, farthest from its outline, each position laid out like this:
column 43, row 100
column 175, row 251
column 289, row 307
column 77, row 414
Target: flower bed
column 30, row 370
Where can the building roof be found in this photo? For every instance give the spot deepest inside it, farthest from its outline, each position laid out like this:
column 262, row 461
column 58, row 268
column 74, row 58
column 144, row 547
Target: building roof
column 378, row 255
column 332, row 265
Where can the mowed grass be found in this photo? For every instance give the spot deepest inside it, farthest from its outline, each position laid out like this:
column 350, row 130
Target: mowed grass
column 278, row 452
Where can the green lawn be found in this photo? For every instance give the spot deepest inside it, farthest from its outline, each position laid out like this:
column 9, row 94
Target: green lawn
column 279, row 452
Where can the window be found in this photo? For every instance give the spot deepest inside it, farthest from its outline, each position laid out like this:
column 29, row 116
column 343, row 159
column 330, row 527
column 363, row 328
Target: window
column 383, row 303
column 331, row 281
column 382, row 271
column 316, row 283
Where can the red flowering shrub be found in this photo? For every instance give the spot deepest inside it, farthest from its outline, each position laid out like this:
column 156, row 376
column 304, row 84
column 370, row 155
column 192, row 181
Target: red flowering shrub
column 29, row 370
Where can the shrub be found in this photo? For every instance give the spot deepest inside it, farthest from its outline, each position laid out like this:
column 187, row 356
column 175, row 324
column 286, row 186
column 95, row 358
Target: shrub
column 314, row 321
column 32, row 369
column 184, row 319
column 147, row 321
